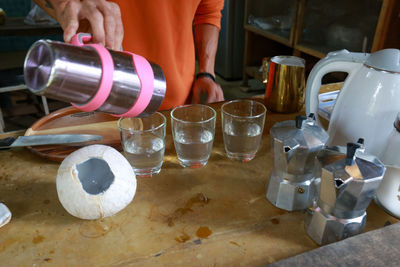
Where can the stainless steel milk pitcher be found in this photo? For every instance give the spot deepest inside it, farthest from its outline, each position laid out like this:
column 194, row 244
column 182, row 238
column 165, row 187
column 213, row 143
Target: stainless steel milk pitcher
column 92, row 77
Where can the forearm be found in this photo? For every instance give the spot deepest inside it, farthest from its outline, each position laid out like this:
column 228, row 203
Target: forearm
column 51, row 6
column 206, row 42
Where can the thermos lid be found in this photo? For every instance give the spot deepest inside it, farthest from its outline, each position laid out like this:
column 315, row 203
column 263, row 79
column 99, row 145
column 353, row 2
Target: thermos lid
column 302, row 132
column 386, row 59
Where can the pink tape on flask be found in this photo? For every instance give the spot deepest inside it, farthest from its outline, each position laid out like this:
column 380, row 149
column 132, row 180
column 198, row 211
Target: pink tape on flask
column 146, row 77
column 79, row 39
column 107, row 67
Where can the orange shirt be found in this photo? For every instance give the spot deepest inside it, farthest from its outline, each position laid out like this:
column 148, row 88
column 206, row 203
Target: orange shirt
column 161, row 31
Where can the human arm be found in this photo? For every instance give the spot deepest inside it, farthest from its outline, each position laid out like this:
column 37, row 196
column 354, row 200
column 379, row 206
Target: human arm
column 99, row 17
column 206, row 42
column 206, row 33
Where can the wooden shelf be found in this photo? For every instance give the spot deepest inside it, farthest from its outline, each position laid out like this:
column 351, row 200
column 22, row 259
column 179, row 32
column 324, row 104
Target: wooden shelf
column 268, row 34
column 12, row 59
column 313, row 51
column 261, row 43
column 254, row 72
column 16, row 26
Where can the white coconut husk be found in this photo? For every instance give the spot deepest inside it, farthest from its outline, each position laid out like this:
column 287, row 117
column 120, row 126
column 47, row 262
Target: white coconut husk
column 5, row 215
column 84, row 205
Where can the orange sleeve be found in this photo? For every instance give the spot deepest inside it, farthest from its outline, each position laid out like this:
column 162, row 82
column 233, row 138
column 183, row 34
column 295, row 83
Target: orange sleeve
column 209, row 12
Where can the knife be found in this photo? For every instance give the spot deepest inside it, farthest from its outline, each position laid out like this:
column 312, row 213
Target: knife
column 50, row 139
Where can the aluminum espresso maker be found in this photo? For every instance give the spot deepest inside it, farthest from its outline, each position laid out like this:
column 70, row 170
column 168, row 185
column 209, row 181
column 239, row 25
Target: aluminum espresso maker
column 92, row 77
column 349, row 180
column 294, row 145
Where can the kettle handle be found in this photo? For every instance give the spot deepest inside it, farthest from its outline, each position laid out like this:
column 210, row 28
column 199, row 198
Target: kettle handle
column 343, row 61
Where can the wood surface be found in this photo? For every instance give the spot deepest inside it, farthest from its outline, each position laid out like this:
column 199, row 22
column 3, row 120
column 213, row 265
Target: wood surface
column 216, row 215
column 375, row 248
column 383, row 25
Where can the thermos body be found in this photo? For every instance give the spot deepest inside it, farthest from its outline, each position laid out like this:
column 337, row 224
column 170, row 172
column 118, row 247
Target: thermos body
column 72, row 73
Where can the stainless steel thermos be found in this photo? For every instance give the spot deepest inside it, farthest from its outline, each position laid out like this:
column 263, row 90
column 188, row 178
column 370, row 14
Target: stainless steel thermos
column 92, row 77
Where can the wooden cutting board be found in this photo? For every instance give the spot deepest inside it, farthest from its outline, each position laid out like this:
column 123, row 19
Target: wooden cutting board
column 71, row 120
column 374, row 248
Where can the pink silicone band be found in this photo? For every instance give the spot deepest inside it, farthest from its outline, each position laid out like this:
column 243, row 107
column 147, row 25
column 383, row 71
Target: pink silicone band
column 106, row 83
column 146, row 77
column 79, row 38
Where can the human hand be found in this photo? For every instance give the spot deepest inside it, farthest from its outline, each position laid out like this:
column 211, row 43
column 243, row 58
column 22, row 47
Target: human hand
column 99, row 17
column 206, row 85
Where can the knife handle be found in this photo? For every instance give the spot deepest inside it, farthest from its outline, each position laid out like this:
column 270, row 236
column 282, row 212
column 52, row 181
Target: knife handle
column 6, row 143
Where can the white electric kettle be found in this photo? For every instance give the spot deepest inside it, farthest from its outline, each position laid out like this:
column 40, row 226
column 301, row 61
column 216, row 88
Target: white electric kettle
column 368, row 101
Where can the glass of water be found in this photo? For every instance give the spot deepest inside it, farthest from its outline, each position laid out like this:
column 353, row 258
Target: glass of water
column 193, row 129
column 143, row 142
column 242, row 127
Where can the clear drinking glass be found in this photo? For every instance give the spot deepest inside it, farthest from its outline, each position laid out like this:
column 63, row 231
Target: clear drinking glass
column 193, row 129
column 242, row 127
column 143, row 142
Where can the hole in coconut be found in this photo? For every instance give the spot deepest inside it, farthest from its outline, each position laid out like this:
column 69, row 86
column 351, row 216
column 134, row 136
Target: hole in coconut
column 95, row 175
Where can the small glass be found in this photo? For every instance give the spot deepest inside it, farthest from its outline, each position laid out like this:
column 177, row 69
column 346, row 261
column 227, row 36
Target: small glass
column 193, row 129
column 242, row 127
column 143, row 142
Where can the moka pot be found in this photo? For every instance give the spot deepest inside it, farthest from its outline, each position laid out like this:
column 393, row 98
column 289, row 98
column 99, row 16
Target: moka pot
column 349, row 180
column 294, row 145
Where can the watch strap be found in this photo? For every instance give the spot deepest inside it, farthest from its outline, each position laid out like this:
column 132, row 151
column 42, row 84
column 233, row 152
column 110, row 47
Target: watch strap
column 205, row 74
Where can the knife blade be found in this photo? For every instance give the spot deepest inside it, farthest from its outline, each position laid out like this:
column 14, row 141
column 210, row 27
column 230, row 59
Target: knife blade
column 49, row 139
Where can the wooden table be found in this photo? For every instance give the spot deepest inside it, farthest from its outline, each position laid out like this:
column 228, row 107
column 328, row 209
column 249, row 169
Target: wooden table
column 211, row 216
